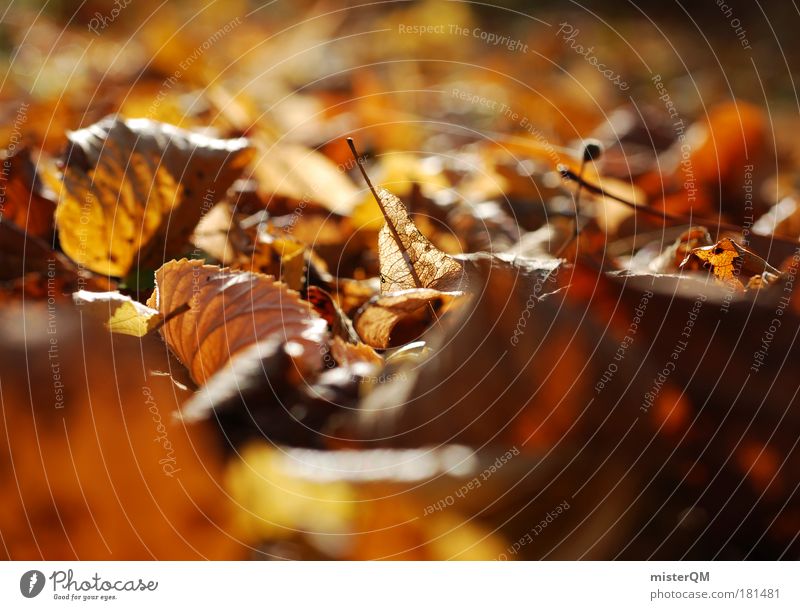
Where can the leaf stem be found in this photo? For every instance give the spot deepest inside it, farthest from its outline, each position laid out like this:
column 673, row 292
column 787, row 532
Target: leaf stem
column 389, row 222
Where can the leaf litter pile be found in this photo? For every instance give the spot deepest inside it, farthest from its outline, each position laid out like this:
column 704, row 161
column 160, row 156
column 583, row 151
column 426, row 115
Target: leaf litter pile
column 268, row 298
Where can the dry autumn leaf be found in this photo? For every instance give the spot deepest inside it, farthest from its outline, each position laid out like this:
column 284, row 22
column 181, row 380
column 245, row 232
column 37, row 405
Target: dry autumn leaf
column 229, row 311
column 732, row 263
column 133, row 191
column 408, row 259
column 396, row 318
column 120, row 313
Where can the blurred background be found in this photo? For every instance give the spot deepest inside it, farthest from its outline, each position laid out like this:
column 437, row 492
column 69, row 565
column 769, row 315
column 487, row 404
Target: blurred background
column 465, row 111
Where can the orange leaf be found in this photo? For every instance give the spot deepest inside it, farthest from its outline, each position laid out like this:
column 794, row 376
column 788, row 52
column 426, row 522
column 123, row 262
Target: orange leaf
column 229, row 311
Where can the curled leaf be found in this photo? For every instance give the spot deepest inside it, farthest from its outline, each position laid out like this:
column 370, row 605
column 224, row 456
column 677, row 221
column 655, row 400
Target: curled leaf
column 351, row 355
column 133, row 191
column 396, row 318
column 229, row 311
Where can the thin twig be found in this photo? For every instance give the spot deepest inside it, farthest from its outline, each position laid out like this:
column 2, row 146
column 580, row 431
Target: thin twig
column 593, row 188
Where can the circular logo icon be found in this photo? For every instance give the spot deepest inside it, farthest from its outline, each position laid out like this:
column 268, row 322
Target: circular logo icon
column 31, row 583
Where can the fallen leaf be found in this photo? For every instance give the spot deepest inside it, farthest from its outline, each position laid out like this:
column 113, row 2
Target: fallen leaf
column 396, row 318
column 731, row 262
column 133, row 191
column 352, row 294
column 349, row 354
column 407, row 258
column 229, row 311
column 120, row 313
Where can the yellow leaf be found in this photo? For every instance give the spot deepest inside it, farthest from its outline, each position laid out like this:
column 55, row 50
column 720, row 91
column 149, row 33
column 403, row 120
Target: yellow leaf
column 133, row 191
column 121, row 314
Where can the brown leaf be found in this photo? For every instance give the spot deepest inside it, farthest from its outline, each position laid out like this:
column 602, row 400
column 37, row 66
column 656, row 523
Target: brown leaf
column 257, row 247
column 396, row 318
column 24, row 200
column 350, row 354
column 352, row 294
column 133, row 191
column 407, row 258
column 493, row 367
column 229, row 311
